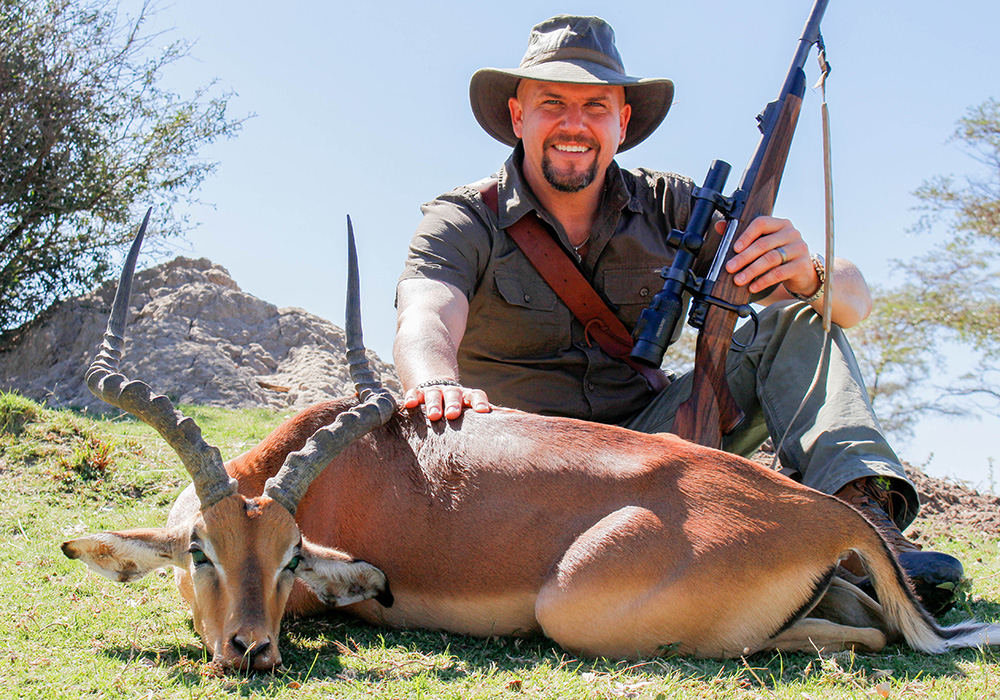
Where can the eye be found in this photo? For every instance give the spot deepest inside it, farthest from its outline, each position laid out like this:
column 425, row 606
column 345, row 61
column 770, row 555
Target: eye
column 293, row 563
column 198, row 557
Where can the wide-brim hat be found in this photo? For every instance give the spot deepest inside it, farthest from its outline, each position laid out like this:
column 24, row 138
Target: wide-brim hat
column 570, row 49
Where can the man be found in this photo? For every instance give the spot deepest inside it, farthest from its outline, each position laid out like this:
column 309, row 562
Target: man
column 476, row 321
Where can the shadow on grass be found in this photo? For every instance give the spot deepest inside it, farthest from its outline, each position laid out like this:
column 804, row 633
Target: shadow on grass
column 335, row 649
column 339, row 648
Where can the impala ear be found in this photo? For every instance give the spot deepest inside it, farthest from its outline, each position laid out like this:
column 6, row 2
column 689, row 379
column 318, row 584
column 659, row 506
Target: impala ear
column 127, row 556
column 337, row 579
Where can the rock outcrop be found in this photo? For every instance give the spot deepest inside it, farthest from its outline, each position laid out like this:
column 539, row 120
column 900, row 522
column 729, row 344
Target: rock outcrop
column 194, row 336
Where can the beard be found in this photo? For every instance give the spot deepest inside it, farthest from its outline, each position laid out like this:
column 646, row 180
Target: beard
column 573, row 181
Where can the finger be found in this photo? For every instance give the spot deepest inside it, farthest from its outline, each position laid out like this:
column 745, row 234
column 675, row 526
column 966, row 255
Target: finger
column 769, row 260
column 477, row 400
column 761, row 226
column 413, row 398
column 769, row 269
column 433, row 403
column 784, row 237
column 763, row 280
column 453, row 402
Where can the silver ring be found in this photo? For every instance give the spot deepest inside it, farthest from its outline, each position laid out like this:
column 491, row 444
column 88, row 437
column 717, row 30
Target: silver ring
column 781, row 252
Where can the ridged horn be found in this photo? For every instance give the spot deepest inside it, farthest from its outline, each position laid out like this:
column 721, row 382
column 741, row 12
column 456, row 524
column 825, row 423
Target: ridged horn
column 202, row 461
column 377, row 406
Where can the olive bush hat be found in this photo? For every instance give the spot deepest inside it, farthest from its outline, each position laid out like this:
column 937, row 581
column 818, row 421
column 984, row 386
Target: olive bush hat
column 570, row 49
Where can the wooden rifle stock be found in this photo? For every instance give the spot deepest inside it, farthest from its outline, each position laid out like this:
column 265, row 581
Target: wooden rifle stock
column 711, row 411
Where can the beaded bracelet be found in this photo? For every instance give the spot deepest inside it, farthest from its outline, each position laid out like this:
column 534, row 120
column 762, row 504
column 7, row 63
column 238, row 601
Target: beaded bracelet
column 437, row 382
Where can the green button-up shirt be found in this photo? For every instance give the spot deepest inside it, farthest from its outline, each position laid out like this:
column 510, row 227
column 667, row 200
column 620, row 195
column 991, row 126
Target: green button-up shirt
column 522, row 344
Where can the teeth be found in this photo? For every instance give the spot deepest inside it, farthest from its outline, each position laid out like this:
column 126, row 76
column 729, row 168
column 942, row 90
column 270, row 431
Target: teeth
column 572, row 149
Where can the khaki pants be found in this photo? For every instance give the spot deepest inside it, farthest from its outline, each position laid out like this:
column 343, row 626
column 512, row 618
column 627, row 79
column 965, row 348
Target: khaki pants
column 836, row 437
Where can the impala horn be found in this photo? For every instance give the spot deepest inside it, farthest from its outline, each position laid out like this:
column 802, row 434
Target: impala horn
column 202, row 461
column 377, row 406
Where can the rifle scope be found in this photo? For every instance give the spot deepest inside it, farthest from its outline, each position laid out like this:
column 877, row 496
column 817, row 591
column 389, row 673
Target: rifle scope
column 659, row 324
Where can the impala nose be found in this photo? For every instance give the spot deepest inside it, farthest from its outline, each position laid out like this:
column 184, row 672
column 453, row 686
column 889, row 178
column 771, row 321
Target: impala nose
column 253, row 653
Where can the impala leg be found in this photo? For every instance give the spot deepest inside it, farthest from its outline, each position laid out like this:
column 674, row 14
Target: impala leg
column 812, row 635
column 633, row 586
column 619, row 590
column 846, row 604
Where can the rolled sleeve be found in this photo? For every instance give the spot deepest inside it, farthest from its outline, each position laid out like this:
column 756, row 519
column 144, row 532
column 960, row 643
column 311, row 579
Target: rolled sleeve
column 452, row 243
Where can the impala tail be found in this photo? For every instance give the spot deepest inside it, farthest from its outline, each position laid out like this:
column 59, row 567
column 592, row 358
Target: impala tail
column 904, row 612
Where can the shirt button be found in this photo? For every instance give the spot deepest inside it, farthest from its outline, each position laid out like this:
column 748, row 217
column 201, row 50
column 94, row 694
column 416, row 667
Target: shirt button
column 527, row 298
column 644, row 292
column 590, row 386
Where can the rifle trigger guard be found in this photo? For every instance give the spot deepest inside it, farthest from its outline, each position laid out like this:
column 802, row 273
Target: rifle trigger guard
column 744, row 311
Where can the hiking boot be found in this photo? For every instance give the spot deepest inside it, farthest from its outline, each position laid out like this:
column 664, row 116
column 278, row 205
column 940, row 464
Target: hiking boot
column 937, row 577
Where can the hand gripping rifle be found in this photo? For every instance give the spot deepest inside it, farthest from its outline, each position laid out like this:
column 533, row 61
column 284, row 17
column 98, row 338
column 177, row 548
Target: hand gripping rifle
column 716, row 301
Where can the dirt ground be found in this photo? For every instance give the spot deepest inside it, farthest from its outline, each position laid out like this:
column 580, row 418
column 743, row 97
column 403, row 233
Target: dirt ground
column 949, row 503
column 946, row 503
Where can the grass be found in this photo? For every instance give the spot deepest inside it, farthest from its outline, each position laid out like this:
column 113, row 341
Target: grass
column 71, row 634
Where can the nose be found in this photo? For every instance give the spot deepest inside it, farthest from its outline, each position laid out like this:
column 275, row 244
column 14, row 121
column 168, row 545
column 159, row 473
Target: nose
column 253, row 653
column 572, row 118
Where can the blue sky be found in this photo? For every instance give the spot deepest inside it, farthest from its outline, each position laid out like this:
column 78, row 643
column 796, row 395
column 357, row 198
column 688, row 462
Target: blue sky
column 362, row 109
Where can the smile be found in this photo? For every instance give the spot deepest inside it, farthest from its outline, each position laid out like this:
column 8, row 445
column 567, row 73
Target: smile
column 571, row 149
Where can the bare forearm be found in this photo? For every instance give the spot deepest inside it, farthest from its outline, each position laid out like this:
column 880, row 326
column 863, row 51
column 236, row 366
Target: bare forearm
column 423, row 350
column 429, row 328
column 852, row 299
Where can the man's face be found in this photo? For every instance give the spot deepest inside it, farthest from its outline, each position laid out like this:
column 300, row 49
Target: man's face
column 570, row 132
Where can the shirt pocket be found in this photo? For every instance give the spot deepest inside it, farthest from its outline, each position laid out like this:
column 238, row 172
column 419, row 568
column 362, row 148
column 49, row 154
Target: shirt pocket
column 528, row 320
column 631, row 289
column 533, row 295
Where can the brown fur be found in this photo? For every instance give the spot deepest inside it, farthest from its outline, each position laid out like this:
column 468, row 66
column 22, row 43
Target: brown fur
column 612, row 543
column 608, row 525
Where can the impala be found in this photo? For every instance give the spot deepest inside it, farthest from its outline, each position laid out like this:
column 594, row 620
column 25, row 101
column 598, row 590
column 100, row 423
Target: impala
column 612, row 543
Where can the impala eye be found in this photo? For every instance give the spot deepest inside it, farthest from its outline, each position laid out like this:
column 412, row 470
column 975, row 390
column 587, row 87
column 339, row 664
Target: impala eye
column 293, row 563
column 199, row 557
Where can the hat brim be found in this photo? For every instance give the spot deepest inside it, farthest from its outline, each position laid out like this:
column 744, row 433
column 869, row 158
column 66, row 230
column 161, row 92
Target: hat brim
column 491, row 89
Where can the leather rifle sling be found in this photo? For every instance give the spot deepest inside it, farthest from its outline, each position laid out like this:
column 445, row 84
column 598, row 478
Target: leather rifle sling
column 566, row 280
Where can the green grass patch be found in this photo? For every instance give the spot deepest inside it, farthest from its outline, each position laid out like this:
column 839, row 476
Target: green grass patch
column 15, row 412
column 71, row 634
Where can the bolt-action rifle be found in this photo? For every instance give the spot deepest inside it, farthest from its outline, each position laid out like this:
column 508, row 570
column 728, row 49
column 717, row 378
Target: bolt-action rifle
column 716, row 301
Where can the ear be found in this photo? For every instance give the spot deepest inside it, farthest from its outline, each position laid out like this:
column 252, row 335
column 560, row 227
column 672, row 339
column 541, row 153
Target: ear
column 130, row 555
column 337, row 579
column 623, row 119
column 516, row 115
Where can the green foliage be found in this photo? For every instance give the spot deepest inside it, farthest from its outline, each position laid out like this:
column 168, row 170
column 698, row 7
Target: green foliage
column 87, row 134
column 896, row 352
column 959, row 282
column 952, row 294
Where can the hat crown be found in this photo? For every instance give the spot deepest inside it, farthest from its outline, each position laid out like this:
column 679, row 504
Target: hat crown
column 574, row 50
column 569, row 37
